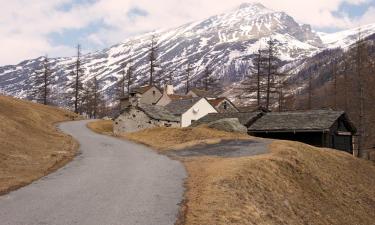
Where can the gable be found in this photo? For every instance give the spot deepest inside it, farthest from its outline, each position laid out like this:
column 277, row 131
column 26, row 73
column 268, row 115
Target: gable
column 201, row 105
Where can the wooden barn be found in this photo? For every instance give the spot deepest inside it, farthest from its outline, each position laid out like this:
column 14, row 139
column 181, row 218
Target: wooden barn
column 321, row 128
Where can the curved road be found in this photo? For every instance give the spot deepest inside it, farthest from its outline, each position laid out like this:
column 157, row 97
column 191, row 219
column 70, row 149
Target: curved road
column 112, row 182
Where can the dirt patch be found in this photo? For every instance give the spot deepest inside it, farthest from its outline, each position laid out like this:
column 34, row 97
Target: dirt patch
column 294, row 184
column 30, row 145
column 225, row 148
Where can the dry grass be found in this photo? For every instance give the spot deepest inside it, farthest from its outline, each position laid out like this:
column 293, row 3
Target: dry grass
column 30, row 145
column 295, row 184
column 164, row 139
column 101, row 126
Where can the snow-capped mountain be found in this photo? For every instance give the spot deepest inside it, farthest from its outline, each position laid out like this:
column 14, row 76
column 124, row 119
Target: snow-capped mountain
column 223, row 42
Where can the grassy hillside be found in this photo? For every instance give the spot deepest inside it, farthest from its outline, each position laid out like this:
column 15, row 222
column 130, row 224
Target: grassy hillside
column 30, row 145
column 295, row 184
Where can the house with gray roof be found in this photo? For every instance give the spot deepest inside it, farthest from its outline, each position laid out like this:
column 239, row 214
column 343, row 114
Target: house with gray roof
column 322, row 128
column 145, row 95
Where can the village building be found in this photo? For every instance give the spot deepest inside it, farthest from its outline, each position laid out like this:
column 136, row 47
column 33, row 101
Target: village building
column 321, row 128
column 190, row 110
column 223, row 105
column 147, row 95
column 142, row 116
column 169, row 96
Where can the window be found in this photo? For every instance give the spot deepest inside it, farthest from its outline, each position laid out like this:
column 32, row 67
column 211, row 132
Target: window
column 153, row 92
column 225, row 105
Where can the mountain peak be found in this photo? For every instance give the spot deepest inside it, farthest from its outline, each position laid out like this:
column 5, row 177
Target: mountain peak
column 253, row 5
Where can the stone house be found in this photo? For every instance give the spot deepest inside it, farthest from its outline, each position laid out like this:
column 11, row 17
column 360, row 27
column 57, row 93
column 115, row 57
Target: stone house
column 142, row 116
column 169, row 96
column 147, row 95
column 190, row 110
column 223, row 105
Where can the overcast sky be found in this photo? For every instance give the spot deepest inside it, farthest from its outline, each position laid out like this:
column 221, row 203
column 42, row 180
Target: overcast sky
column 31, row 28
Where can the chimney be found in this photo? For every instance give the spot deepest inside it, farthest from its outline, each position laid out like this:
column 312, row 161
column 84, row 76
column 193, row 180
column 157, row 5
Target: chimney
column 168, row 89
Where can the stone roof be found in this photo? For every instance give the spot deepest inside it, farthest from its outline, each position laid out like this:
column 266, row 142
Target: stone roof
column 203, row 93
column 143, row 89
column 315, row 120
column 158, row 113
column 245, row 118
column 180, row 106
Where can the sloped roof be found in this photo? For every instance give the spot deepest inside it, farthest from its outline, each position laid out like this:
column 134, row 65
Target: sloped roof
column 180, row 106
column 298, row 121
column 143, row 89
column 158, row 112
column 244, row 118
column 179, row 97
column 203, row 93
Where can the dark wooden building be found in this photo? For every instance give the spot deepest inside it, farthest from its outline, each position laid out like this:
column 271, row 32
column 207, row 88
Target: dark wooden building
column 321, row 128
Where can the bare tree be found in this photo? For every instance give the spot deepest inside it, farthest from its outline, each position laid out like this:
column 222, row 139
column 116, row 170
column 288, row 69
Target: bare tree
column 129, row 77
column 76, row 82
column 254, row 79
column 92, row 98
column 188, row 77
column 41, row 82
column 153, row 55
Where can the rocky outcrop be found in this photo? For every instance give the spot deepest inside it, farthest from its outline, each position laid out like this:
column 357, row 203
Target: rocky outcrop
column 229, row 125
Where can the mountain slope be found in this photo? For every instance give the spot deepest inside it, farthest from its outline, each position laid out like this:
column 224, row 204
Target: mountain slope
column 217, row 41
column 224, row 43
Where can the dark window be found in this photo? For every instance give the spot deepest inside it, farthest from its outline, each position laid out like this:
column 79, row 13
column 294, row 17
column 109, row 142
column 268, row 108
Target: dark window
column 225, row 105
column 154, row 92
column 133, row 115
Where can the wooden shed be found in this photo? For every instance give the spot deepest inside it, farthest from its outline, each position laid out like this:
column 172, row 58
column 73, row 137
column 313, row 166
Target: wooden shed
column 321, row 128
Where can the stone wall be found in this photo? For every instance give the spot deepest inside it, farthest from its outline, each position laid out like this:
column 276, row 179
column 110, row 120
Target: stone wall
column 135, row 120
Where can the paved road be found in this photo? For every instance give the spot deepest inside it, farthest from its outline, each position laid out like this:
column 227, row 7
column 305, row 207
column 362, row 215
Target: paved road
column 112, row 182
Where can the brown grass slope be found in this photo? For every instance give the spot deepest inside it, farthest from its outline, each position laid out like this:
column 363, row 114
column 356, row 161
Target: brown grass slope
column 30, row 145
column 164, row 139
column 295, row 184
column 101, row 126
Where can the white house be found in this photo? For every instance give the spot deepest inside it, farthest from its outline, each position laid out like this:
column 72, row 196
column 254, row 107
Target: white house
column 190, row 110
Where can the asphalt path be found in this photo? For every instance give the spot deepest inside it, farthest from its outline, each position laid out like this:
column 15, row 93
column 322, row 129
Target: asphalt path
column 111, row 182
